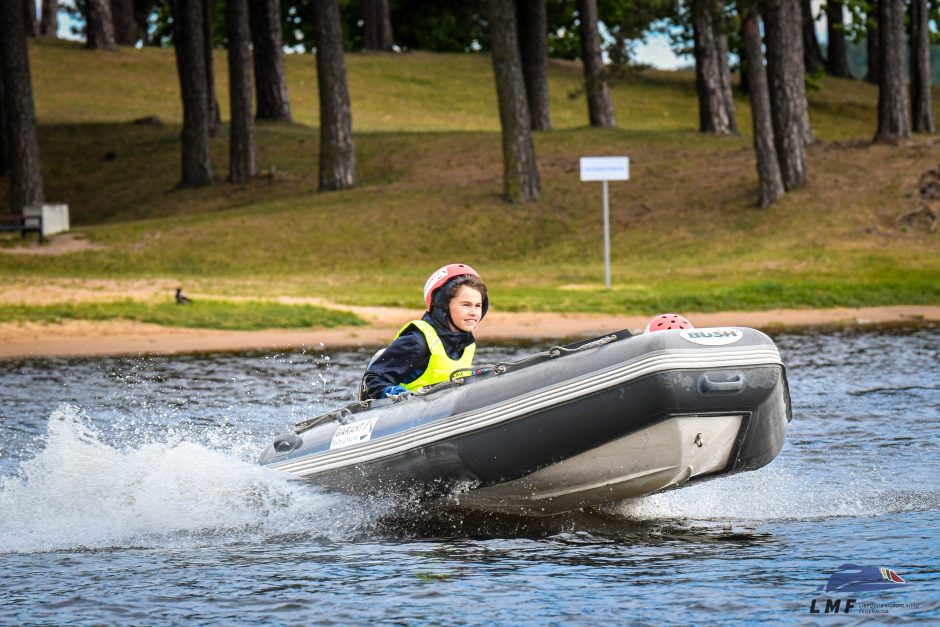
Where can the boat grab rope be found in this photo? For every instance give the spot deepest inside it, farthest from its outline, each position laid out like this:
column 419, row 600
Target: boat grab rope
column 341, row 415
column 344, row 415
column 457, row 376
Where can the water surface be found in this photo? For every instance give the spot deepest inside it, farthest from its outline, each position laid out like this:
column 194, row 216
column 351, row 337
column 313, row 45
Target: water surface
column 129, row 494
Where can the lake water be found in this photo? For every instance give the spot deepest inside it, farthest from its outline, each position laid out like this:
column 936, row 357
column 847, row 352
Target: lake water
column 129, row 494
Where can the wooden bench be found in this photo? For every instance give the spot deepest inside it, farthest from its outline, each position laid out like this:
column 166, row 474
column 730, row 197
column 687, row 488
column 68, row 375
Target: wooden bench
column 21, row 223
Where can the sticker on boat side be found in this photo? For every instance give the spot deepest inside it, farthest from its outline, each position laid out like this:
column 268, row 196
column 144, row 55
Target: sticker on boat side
column 353, row 433
column 712, row 337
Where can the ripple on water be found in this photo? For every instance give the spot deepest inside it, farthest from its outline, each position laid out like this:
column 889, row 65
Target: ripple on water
column 134, row 481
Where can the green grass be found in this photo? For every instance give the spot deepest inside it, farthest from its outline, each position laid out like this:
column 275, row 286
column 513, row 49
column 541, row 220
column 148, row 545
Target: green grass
column 685, row 233
column 208, row 314
column 754, row 295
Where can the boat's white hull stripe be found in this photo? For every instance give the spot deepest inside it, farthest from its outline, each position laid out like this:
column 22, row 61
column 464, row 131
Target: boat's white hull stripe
column 534, row 401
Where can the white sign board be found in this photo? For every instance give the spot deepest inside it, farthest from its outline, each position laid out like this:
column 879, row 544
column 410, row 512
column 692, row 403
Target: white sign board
column 55, row 218
column 353, row 433
column 605, row 168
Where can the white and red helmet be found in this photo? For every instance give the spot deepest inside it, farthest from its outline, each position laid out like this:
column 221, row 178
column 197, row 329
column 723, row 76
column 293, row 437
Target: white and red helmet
column 663, row 322
column 443, row 275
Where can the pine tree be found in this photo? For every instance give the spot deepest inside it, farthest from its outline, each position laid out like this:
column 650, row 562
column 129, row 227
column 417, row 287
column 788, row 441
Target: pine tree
column 520, row 172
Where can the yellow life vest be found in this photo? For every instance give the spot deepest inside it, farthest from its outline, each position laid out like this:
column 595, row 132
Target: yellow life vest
column 440, row 366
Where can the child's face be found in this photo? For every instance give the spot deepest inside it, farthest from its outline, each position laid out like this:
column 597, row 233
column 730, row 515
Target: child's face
column 466, row 308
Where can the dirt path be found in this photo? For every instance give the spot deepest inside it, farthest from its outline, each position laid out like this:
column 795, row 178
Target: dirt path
column 76, row 338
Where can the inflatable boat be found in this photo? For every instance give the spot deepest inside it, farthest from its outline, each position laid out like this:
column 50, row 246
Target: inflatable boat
column 574, row 426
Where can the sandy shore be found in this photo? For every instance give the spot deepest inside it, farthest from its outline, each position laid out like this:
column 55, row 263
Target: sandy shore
column 79, row 338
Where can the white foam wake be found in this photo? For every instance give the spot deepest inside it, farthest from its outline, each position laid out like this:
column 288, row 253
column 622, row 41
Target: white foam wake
column 79, row 492
column 778, row 492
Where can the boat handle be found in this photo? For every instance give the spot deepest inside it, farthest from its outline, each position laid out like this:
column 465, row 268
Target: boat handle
column 459, row 375
column 287, row 443
column 708, row 386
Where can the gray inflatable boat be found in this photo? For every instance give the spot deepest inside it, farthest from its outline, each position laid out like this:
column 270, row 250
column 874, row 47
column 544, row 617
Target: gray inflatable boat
column 574, row 426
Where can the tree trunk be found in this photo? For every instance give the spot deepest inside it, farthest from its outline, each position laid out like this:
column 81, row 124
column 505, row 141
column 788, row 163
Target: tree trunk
column 337, row 152
column 520, row 171
column 30, row 24
column 270, row 83
column 803, row 106
column 871, row 45
column 922, row 115
column 215, row 116
column 812, row 55
column 837, row 61
column 370, row 25
column 893, row 120
column 49, row 23
column 125, row 27
column 743, row 85
column 787, row 90
column 22, row 145
column 712, row 76
column 188, row 22
column 600, row 106
column 376, row 25
column 4, row 139
column 533, row 39
column 99, row 26
column 768, row 167
column 724, row 69
column 242, row 151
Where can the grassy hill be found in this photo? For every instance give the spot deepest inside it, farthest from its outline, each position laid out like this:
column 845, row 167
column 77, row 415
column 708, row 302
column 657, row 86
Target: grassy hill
column 685, row 233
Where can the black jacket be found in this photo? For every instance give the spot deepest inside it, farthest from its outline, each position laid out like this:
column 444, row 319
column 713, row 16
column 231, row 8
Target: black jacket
column 407, row 357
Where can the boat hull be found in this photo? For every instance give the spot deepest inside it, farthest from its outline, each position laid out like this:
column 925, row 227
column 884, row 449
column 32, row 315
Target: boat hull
column 623, row 419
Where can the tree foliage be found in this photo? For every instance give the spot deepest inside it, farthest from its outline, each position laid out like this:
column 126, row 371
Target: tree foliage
column 456, row 25
column 461, row 26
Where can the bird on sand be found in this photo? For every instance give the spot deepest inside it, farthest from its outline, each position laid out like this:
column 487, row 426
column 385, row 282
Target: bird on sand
column 181, row 298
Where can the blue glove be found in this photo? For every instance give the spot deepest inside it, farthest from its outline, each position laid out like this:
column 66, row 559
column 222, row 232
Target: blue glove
column 393, row 390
